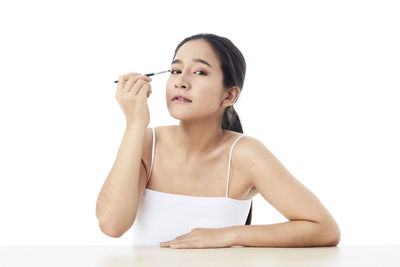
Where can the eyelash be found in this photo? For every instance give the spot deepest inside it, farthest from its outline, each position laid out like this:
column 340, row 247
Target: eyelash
column 196, row 71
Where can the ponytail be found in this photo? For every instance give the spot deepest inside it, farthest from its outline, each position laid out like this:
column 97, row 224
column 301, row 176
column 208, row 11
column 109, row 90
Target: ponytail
column 231, row 121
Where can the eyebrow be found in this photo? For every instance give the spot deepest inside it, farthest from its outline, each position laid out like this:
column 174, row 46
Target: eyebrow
column 194, row 60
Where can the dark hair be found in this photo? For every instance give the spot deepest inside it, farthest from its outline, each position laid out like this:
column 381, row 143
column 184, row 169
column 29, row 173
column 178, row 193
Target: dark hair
column 233, row 66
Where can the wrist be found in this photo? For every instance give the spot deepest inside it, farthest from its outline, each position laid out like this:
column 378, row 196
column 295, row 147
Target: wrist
column 136, row 126
column 231, row 235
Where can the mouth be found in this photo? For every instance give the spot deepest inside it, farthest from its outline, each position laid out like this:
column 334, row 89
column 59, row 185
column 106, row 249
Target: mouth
column 181, row 99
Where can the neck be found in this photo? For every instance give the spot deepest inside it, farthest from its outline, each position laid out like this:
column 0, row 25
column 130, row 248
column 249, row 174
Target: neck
column 196, row 139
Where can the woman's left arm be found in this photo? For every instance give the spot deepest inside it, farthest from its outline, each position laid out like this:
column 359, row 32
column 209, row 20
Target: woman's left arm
column 310, row 223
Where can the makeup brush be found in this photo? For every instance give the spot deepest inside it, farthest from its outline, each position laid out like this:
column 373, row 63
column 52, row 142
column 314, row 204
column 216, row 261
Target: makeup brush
column 151, row 74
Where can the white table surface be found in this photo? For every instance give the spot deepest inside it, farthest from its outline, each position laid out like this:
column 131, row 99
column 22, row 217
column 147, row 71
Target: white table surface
column 117, row 256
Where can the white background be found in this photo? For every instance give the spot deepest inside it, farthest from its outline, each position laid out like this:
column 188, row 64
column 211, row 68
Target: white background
column 321, row 92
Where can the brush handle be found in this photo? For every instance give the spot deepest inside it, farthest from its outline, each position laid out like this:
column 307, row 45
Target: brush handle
column 150, row 74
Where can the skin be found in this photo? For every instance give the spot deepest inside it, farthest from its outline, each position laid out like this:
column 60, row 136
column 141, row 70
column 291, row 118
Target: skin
column 199, row 133
column 199, row 130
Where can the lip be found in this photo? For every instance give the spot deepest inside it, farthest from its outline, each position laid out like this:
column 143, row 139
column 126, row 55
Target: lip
column 180, row 96
column 181, row 101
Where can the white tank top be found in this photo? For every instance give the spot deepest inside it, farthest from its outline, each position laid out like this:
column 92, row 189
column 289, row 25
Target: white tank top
column 163, row 216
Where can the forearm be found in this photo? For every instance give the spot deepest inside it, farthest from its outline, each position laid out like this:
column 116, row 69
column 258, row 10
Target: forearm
column 299, row 233
column 117, row 200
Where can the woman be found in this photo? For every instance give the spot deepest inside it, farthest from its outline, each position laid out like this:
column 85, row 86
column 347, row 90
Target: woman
column 195, row 195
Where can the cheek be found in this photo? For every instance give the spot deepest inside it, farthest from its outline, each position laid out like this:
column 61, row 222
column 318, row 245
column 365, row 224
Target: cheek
column 168, row 86
column 210, row 100
column 168, row 83
column 211, row 93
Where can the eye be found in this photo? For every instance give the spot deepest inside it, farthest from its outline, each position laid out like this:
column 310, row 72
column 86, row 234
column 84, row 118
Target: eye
column 172, row 71
column 204, row 73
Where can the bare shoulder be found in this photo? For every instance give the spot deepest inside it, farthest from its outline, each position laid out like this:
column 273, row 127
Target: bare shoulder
column 254, row 158
column 248, row 145
column 247, row 150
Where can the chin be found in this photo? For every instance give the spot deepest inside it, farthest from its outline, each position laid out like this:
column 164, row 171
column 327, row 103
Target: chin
column 183, row 115
column 180, row 115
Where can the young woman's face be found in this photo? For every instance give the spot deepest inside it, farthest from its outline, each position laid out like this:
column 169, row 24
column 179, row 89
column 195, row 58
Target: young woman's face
column 195, row 74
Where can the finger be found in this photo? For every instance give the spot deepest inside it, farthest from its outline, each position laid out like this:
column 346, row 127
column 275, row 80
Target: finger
column 146, row 90
column 136, row 87
column 130, row 74
column 174, row 240
column 134, row 79
column 164, row 244
column 121, row 83
column 128, row 85
column 131, row 82
column 180, row 238
column 124, row 78
column 180, row 244
column 139, row 76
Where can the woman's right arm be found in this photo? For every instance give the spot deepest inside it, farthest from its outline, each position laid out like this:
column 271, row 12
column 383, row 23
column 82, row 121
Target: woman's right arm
column 118, row 199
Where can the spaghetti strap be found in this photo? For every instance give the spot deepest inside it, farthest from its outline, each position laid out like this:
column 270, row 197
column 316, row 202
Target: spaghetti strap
column 229, row 165
column 164, row 216
column 152, row 154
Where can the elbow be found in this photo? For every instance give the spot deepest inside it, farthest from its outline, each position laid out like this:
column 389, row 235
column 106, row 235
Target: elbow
column 109, row 227
column 331, row 235
column 110, row 230
column 335, row 239
column 332, row 241
column 112, row 225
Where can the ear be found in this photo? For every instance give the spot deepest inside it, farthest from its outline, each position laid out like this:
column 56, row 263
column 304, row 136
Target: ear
column 230, row 96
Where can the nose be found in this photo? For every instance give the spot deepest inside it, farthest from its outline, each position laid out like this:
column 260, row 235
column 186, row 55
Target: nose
column 179, row 83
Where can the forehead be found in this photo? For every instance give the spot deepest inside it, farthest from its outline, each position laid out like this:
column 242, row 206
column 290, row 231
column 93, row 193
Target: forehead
column 197, row 49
